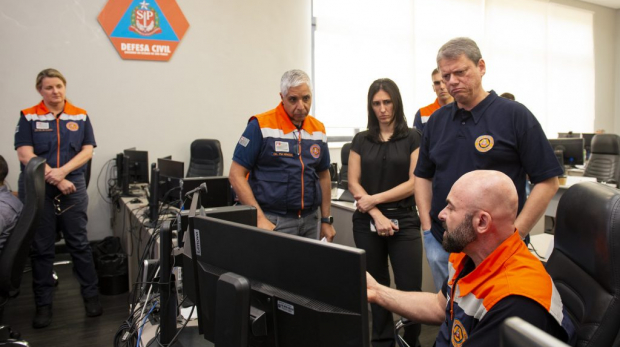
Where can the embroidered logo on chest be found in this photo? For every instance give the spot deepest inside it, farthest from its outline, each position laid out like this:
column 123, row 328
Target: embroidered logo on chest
column 484, row 143
column 315, row 151
column 459, row 334
column 73, row 126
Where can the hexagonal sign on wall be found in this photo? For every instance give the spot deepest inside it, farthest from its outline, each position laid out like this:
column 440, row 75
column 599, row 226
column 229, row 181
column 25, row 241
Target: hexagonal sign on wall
column 144, row 29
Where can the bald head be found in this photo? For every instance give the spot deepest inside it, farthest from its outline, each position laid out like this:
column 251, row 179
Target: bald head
column 488, row 190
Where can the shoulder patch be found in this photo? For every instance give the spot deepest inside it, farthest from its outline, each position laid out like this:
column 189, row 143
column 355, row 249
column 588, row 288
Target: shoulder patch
column 243, row 141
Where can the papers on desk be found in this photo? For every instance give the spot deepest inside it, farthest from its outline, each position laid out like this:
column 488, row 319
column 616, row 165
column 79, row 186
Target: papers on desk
column 541, row 245
column 570, row 180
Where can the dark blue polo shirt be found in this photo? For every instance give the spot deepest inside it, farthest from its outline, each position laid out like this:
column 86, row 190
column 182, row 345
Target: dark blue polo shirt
column 498, row 134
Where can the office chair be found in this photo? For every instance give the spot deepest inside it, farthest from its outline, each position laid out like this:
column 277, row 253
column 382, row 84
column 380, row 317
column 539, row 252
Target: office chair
column 585, row 263
column 604, row 163
column 17, row 248
column 344, row 170
column 205, row 158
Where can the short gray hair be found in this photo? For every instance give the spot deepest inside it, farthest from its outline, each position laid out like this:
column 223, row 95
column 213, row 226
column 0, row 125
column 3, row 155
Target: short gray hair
column 457, row 46
column 294, row 78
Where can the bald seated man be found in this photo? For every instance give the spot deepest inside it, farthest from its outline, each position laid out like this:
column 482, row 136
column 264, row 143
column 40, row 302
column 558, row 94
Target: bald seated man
column 492, row 276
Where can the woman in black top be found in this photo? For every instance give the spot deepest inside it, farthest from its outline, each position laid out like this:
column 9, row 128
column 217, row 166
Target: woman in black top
column 381, row 165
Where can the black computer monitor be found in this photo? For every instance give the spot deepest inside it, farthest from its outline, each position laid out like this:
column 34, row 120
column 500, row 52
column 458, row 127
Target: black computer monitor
column 170, row 174
column 154, row 196
column 515, row 332
column 138, row 165
column 218, row 193
column 572, row 150
column 569, row 135
column 297, row 292
column 171, row 168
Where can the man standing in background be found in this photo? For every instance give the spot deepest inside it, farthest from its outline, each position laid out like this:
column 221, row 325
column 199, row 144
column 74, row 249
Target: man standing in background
column 443, row 98
column 281, row 164
column 479, row 131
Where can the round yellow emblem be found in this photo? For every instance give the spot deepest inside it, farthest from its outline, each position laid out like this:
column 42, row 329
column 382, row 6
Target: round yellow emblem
column 459, row 334
column 484, row 143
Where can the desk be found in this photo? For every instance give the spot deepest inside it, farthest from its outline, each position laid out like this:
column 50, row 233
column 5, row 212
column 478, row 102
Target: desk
column 543, row 244
column 128, row 224
column 342, row 211
column 553, row 204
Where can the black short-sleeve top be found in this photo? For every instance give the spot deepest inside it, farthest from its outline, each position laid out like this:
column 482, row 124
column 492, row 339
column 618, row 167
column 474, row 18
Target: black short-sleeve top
column 385, row 165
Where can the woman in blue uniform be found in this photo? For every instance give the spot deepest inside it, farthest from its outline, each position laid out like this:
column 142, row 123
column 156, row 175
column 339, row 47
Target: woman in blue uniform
column 61, row 133
column 386, row 224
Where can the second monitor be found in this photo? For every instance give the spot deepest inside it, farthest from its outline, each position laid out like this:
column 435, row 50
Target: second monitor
column 219, row 192
column 572, row 150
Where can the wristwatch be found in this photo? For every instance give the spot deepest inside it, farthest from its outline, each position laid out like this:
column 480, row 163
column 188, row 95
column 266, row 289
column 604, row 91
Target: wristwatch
column 328, row 220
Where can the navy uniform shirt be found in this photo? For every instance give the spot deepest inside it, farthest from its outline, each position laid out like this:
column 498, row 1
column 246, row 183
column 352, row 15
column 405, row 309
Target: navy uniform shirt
column 56, row 138
column 498, row 134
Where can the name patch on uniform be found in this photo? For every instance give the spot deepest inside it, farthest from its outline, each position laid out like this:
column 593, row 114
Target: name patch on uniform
column 459, row 334
column 484, row 143
column 73, row 126
column 243, row 141
column 282, row 146
column 315, row 151
column 42, row 125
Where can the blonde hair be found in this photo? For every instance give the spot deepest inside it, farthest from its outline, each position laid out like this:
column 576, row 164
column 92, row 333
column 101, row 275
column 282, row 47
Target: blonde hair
column 49, row 73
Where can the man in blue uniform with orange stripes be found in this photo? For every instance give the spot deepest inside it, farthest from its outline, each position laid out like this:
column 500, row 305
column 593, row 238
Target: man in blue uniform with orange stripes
column 281, row 164
column 493, row 275
column 443, row 98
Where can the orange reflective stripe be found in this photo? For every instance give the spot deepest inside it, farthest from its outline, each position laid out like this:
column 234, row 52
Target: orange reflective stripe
column 58, row 137
column 303, row 167
column 428, row 110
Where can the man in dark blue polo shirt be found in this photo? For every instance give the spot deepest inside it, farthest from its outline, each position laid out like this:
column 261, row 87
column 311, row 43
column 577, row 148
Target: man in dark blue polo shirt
column 480, row 131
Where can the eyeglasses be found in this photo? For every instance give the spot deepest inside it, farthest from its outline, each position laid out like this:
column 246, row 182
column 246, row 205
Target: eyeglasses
column 57, row 209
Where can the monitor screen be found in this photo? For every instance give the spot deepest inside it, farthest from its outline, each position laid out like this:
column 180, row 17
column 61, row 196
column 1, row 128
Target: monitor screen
column 302, row 292
column 170, row 190
column 171, row 168
column 219, row 192
column 572, row 150
column 138, row 166
column 515, row 332
column 569, row 135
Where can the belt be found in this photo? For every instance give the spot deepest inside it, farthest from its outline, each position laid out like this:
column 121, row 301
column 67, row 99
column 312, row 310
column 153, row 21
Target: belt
column 294, row 213
column 397, row 209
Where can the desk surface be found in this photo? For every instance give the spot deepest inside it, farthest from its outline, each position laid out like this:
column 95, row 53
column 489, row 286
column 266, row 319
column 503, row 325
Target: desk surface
column 543, row 245
column 572, row 180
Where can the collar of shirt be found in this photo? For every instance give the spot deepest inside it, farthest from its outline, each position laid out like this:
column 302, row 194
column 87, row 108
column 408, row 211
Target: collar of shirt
column 489, row 266
column 69, row 109
column 478, row 111
column 285, row 122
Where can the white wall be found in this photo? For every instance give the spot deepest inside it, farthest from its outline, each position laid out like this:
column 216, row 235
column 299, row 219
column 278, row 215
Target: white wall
column 227, row 68
column 606, row 85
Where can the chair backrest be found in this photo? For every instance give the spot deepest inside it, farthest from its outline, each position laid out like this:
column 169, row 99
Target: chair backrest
column 344, row 169
column 585, row 263
column 17, row 247
column 205, row 158
column 604, row 163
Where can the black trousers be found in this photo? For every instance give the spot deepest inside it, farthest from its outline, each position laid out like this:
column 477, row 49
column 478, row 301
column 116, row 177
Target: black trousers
column 404, row 250
column 71, row 220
